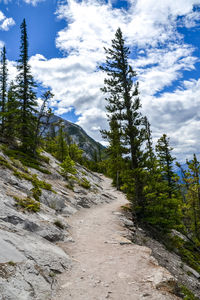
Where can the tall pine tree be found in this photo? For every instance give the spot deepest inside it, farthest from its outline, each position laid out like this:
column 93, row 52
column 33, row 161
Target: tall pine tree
column 26, row 95
column 3, row 88
column 124, row 105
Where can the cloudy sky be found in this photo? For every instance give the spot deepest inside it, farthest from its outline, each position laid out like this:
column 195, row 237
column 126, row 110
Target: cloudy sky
column 66, row 40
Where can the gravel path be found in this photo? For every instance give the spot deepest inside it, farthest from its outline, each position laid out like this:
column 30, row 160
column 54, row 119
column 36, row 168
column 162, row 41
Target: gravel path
column 104, row 267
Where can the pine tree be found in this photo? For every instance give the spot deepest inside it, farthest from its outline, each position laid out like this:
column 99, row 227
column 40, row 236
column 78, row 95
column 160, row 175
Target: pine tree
column 62, row 149
column 26, row 95
column 166, row 160
column 11, row 115
column 162, row 195
column 115, row 151
column 3, row 87
column 192, row 207
column 149, row 154
column 124, row 105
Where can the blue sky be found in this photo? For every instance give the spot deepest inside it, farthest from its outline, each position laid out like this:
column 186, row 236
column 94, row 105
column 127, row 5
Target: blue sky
column 66, row 40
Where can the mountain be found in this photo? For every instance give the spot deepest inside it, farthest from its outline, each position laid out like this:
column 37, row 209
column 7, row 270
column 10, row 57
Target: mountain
column 78, row 136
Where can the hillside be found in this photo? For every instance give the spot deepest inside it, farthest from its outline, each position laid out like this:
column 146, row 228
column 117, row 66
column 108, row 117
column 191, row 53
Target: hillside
column 46, row 229
column 77, row 134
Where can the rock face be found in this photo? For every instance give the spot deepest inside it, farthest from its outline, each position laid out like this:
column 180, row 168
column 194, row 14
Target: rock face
column 29, row 255
column 78, row 136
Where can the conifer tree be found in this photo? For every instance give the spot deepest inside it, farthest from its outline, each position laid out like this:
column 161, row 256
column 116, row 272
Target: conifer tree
column 62, row 149
column 124, row 105
column 192, row 207
column 11, row 115
column 165, row 158
column 26, row 95
column 150, row 156
column 3, row 87
column 115, row 151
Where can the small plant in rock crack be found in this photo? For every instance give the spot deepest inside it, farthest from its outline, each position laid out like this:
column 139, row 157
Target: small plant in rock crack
column 59, row 224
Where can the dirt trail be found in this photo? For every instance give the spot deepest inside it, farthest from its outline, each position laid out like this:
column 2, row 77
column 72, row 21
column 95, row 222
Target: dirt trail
column 103, row 268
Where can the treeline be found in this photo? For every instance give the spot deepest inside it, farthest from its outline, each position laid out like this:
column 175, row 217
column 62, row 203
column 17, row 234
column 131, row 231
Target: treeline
column 158, row 197
column 23, row 125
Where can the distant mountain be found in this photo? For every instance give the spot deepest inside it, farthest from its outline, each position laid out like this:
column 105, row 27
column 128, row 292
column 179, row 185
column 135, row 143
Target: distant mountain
column 78, row 136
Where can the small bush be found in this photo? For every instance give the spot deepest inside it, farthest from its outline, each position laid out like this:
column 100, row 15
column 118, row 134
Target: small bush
column 188, row 295
column 36, row 193
column 12, row 263
column 85, row 183
column 59, row 224
column 4, row 163
column 67, row 166
column 27, row 204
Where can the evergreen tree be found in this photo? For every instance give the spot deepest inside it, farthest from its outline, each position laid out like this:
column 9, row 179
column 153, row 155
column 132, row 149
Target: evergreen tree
column 3, row 87
column 192, row 205
column 165, row 158
column 150, row 156
column 162, row 196
column 11, row 115
column 62, row 149
column 124, row 105
column 26, row 95
column 115, row 151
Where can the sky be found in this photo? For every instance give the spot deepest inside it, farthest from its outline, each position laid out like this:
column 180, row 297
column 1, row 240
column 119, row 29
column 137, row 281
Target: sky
column 66, row 46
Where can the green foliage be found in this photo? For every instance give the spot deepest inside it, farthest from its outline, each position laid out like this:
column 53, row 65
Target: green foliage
column 75, row 153
column 37, row 184
column 188, row 251
column 25, row 158
column 188, row 295
column 36, row 193
column 27, row 204
column 10, row 132
column 67, row 166
column 3, row 87
column 59, row 224
column 12, row 263
column 84, row 183
column 4, row 163
column 26, row 96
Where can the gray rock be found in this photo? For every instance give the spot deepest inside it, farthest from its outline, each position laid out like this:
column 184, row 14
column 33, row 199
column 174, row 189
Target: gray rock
column 53, row 200
column 31, row 226
column 83, row 202
column 192, row 271
column 52, row 234
column 8, row 251
column 13, row 219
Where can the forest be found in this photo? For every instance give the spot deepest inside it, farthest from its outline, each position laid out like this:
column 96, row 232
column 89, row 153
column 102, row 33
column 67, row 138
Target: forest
column 160, row 200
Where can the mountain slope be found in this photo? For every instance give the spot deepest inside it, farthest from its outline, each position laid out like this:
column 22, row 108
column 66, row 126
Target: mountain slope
column 78, row 136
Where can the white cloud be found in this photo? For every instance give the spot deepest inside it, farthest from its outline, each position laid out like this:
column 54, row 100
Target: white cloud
column 33, row 2
column 151, row 27
column 5, row 23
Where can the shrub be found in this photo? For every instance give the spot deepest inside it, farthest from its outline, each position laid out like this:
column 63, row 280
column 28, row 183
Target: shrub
column 4, row 163
column 59, row 224
column 67, row 166
column 27, row 204
column 85, row 183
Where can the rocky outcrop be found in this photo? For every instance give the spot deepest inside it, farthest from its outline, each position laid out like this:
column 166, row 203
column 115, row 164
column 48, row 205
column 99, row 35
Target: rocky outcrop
column 30, row 257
